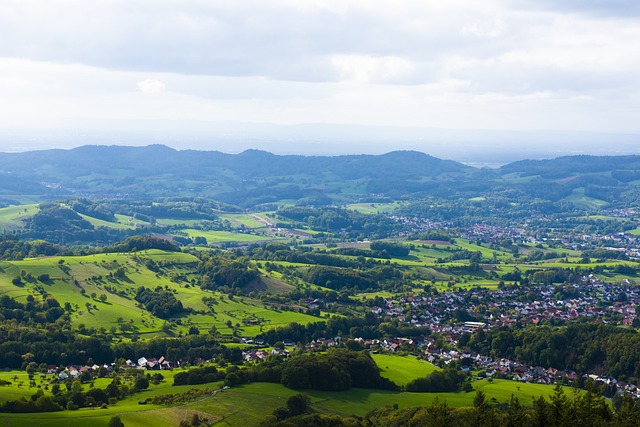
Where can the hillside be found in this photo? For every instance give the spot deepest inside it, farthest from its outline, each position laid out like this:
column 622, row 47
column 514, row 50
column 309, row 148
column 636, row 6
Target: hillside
column 254, row 178
column 100, row 291
column 248, row 178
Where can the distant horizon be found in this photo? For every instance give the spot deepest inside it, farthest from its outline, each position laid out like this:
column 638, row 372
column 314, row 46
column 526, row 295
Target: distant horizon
column 482, row 146
column 490, row 148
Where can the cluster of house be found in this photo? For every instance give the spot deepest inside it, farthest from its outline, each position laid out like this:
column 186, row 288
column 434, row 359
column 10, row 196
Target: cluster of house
column 418, row 225
column 590, row 298
column 152, row 364
column 495, row 233
column 257, row 355
column 74, row 371
column 260, row 355
column 502, row 368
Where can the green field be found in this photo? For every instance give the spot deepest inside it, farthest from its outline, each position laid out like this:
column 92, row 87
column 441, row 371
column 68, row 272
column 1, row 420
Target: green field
column 226, row 236
column 373, row 208
column 11, row 218
column 242, row 220
column 246, row 405
column 80, row 272
column 578, row 198
column 402, row 369
column 120, row 225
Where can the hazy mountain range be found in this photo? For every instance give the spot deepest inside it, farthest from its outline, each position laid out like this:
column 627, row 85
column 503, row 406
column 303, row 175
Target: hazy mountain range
column 255, row 177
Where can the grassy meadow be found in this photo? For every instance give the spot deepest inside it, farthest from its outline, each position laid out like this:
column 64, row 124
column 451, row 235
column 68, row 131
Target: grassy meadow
column 246, row 405
column 77, row 278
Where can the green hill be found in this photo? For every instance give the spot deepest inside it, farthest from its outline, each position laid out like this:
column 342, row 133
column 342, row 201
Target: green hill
column 80, row 281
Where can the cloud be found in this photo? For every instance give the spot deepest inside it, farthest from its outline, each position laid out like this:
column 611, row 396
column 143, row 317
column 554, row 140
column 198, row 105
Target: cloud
column 457, row 63
column 603, row 8
column 369, row 69
column 151, row 86
column 492, row 29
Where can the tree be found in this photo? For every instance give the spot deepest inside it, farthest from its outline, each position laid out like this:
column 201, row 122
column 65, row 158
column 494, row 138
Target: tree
column 281, row 413
column 627, row 413
column 141, row 383
column 103, row 297
column 76, row 387
column 515, row 416
column 298, row 404
column 560, row 408
column 115, row 421
column 440, row 414
column 483, row 415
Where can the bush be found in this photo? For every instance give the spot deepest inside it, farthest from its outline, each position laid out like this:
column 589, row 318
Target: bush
column 115, row 421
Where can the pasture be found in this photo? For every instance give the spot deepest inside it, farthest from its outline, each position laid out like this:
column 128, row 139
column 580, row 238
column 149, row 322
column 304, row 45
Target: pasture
column 12, row 217
column 402, row 369
column 247, row 404
column 78, row 278
column 373, row 208
column 226, row 236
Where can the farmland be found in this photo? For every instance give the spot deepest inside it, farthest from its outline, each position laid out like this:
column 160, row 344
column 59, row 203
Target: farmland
column 78, row 278
column 248, row 404
column 252, row 270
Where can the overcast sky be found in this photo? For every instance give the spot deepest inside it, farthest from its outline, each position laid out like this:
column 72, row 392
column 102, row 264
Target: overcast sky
column 468, row 64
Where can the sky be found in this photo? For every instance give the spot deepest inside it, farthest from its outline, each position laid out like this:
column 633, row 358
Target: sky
column 192, row 72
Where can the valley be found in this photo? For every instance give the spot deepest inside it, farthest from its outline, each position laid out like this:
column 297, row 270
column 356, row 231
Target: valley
column 480, row 290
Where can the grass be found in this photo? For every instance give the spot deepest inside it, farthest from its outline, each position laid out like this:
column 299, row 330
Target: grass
column 246, row 220
column 79, row 273
column 360, row 401
column 80, row 270
column 402, row 369
column 578, row 198
column 11, row 218
column 107, row 224
column 373, row 208
column 246, row 405
column 225, row 236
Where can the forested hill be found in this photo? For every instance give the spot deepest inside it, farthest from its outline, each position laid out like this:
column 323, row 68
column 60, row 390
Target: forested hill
column 619, row 168
column 256, row 177
column 158, row 170
column 159, row 159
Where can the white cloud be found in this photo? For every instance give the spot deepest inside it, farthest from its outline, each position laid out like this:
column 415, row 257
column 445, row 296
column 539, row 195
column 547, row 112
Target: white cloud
column 371, row 69
column 459, row 63
column 151, row 86
column 492, row 29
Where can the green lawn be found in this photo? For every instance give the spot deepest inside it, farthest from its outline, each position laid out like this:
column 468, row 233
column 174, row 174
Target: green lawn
column 402, row 369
